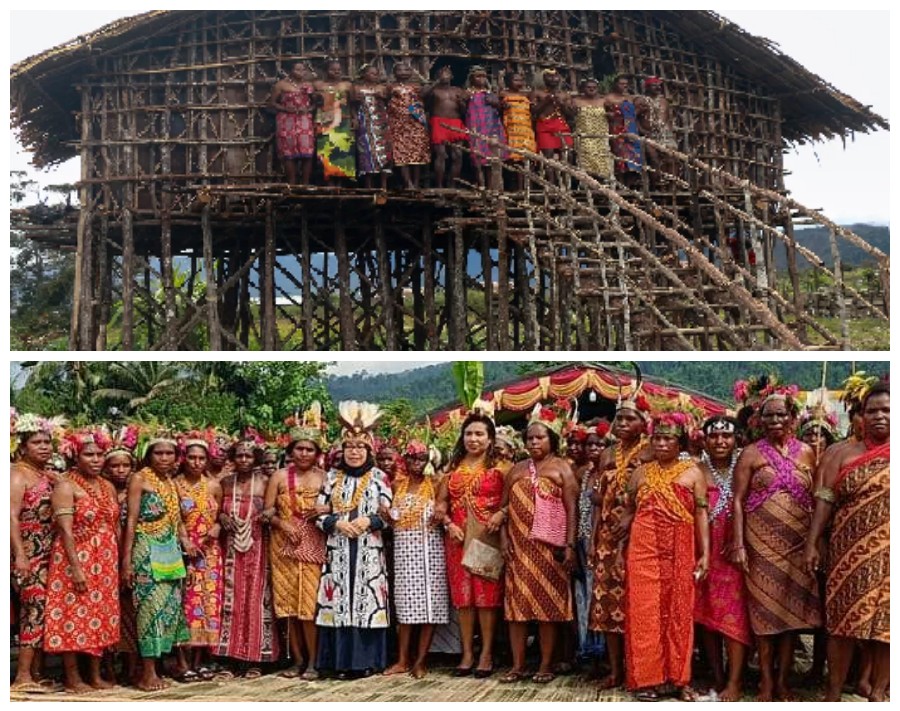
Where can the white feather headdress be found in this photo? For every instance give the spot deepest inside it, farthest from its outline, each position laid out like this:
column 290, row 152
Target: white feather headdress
column 357, row 420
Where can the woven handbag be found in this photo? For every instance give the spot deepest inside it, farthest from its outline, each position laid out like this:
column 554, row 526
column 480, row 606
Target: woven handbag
column 549, row 523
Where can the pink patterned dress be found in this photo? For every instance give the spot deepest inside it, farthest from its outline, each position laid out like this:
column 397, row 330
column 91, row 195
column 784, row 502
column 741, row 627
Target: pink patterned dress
column 722, row 596
column 295, row 133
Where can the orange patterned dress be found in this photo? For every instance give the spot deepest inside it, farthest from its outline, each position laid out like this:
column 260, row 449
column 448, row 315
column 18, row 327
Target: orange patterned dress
column 659, row 581
column 85, row 622
column 202, row 596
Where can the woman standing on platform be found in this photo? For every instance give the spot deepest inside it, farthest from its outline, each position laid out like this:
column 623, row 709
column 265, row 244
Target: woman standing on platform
column 353, row 604
column 248, row 619
column 31, row 535
column 471, row 494
column 83, row 584
column 773, row 504
column 201, row 501
column 152, row 562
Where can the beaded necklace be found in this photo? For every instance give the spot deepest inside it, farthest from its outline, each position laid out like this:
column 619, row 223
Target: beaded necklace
column 463, row 487
column 337, row 493
column 198, row 492
column 723, row 481
column 104, row 502
column 166, row 490
column 659, row 479
column 624, row 460
column 412, row 506
column 242, row 540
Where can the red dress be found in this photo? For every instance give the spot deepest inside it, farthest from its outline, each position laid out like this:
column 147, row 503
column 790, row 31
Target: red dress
column 482, row 491
column 89, row 621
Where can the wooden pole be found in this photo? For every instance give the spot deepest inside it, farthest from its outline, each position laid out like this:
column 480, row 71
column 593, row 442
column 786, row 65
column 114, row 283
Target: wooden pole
column 214, row 330
column 387, row 301
column 269, row 320
column 348, row 325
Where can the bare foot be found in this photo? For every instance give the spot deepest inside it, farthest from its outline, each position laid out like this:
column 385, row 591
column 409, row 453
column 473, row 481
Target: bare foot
column 864, row 689
column 78, row 688
column 102, row 684
column 155, row 684
column 732, row 692
column 765, row 691
column 419, row 671
column 783, row 693
column 397, row 668
column 609, row 682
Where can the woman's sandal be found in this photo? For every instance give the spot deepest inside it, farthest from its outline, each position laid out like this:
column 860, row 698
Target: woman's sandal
column 310, row 675
column 224, row 675
column 291, row 673
column 686, row 693
column 646, row 695
column 206, row 673
column 253, row 673
column 188, row 676
column 543, row 677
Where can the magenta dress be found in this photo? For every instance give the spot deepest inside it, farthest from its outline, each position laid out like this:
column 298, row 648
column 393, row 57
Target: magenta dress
column 722, row 597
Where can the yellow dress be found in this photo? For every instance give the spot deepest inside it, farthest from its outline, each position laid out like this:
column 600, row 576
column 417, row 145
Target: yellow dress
column 296, row 567
column 592, row 141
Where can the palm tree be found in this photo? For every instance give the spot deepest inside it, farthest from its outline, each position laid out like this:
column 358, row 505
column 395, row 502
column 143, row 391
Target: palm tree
column 139, row 382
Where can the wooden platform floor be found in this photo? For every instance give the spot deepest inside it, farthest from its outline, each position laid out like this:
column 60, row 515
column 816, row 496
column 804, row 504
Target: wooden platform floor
column 439, row 685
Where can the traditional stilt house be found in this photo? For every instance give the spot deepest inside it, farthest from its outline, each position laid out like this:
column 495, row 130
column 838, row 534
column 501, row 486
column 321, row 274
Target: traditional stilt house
column 187, row 235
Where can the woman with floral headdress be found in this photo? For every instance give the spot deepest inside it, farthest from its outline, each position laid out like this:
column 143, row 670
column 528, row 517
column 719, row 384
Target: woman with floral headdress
column 854, row 493
column 297, row 550
column 118, row 466
column 421, row 598
column 611, row 526
column 31, row 535
column 353, row 606
column 721, row 607
column 201, row 501
column 248, row 622
column 83, row 584
column 773, row 504
column 538, row 570
column 152, row 564
column 469, row 502
column 668, row 507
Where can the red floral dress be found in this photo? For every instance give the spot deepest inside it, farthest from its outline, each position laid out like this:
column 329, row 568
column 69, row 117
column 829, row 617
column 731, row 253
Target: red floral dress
column 89, row 621
column 481, row 491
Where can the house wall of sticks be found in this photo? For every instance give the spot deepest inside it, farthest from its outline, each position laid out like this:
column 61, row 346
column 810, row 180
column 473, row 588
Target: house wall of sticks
column 187, row 240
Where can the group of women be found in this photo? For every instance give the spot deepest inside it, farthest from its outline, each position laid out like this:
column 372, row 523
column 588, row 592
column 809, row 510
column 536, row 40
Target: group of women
column 367, row 128
column 613, row 553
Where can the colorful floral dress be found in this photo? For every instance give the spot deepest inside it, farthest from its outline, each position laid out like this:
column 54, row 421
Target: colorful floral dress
column 626, row 149
column 158, row 577
column 204, row 584
column 334, row 135
column 85, row 622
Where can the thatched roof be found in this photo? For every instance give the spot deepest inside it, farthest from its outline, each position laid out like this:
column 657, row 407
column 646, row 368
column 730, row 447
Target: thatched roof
column 44, row 93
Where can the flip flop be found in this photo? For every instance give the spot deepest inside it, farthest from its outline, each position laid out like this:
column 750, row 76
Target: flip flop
column 224, row 675
column 188, row 676
column 291, row 673
column 253, row 673
column 206, row 673
column 543, row 677
column 310, row 675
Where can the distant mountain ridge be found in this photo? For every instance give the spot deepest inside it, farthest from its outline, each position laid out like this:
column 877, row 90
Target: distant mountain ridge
column 816, row 240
